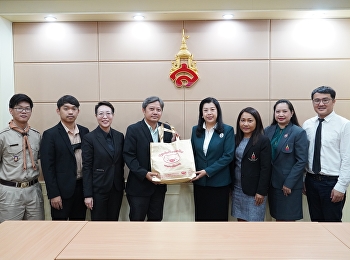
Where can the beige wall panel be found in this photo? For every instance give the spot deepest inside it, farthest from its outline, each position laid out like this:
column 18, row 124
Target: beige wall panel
column 137, row 80
column 234, row 39
column 128, row 113
column 44, row 116
column 47, row 82
column 87, row 115
column 342, row 107
column 230, row 111
column 310, row 38
column 125, row 41
column 55, row 42
column 231, row 80
column 297, row 79
column 174, row 112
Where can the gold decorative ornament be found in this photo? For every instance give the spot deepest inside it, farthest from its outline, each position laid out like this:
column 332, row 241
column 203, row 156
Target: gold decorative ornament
column 184, row 72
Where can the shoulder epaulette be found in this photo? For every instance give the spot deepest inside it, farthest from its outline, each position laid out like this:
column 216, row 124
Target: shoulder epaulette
column 5, row 130
column 35, row 130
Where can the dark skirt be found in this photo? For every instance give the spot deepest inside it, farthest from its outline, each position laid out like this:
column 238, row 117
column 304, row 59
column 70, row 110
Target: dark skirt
column 283, row 207
column 211, row 203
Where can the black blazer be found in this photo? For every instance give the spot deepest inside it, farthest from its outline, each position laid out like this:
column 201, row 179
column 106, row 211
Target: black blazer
column 58, row 161
column 256, row 167
column 137, row 158
column 102, row 168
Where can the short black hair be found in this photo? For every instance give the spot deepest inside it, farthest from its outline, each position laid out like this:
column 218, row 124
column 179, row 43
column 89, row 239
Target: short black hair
column 67, row 99
column 18, row 98
column 323, row 90
column 104, row 103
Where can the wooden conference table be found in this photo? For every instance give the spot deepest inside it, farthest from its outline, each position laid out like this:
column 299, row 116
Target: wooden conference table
column 341, row 231
column 36, row 239
column 173, row 240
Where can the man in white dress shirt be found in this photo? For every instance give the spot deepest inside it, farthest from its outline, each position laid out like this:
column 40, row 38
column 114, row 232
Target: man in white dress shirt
column 326, row 185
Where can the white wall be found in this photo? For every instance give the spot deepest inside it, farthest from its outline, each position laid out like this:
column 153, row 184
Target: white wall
column 6, row 70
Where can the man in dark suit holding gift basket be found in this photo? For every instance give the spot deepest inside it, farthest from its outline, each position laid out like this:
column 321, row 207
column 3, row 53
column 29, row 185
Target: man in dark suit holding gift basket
column 145, row 197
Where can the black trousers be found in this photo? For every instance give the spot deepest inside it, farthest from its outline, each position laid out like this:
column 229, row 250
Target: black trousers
column 73, row 207
column 106, row 206
column 148, row 206
column 211, row 203
column 318, row 192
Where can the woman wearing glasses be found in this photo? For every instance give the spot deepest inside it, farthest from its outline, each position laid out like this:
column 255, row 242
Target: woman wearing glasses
column 103, row 166
column 289, row 157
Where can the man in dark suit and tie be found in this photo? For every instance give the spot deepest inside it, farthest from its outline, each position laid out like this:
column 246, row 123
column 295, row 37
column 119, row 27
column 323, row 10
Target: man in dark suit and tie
column 61, row 162
column 146, row 198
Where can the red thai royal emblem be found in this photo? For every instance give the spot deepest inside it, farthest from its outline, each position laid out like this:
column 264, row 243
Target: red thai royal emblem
column 184, row 72
column 253, row 158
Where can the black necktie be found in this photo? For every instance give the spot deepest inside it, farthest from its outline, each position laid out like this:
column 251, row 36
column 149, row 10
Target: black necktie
column 316, row 164
column 109, row 141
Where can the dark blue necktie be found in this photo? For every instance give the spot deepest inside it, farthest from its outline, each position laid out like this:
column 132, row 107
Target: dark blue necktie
column 316, row 164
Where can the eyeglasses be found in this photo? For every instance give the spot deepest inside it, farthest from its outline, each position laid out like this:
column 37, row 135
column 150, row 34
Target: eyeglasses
column 107, row 114
column 325, row 101
column 21, row 109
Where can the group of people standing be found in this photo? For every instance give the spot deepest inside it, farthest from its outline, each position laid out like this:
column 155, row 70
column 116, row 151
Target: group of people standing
column 85, row 170
column 276, row 164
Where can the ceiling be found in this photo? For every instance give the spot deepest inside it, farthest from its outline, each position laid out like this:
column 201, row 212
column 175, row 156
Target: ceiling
column 161, row 10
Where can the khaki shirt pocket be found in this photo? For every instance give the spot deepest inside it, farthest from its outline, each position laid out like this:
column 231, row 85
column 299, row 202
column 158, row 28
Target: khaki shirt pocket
column 14, row 154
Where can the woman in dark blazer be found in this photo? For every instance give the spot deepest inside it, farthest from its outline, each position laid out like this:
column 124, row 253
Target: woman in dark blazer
column 213, row 148
column 251, row 168
column 103, row 166
column 289, row 158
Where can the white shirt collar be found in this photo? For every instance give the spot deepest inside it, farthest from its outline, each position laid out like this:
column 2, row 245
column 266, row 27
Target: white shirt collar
column 205, row 126
column 327, row 118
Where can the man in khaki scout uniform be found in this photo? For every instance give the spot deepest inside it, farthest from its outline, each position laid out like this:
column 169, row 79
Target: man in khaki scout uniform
column 20, row 191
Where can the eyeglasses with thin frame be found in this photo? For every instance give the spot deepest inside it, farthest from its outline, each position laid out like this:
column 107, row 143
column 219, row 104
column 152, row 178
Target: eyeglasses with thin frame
column 325, row 101
column 107, row 114
column 21, row 109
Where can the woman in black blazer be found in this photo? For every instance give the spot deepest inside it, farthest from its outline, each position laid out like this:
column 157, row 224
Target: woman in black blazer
column 103, row 166
column 251, row 169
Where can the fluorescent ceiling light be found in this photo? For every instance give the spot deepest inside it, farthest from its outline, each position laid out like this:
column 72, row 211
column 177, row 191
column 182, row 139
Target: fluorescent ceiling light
column 50, row 18
column 318, row 14
column 139, row 17
column 227, row 16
